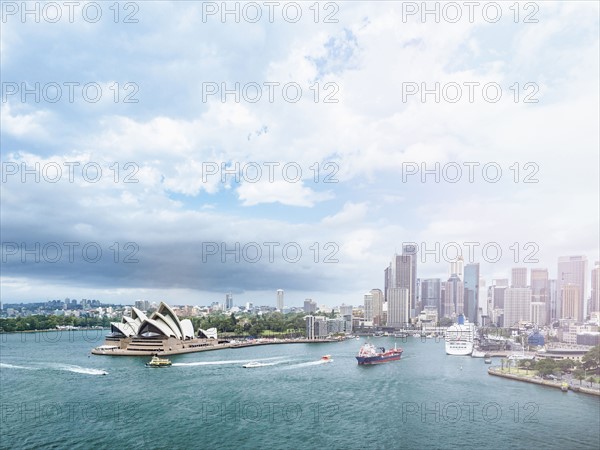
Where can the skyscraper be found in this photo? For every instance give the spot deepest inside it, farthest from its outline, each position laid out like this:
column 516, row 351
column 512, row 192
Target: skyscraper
column 497, row 290
column 280, row 304
column 553, row 300
column 540, row 298
column 594, row 305
column 398, row 307
column 430, row 292
column 518, row 277
column 387, row 278
column 368, row 304
column 517, row 306
column 402, row 273
column 571, row 302
column 454, row 297
column 310, row 306
column 377, row 305
column 572, row 270
column 483, row 304
column 228, row 301
column 471, row 283
column 457, row 268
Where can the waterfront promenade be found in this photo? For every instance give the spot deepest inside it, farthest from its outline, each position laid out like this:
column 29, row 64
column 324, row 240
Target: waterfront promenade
column 109, row 350
column 532, row 378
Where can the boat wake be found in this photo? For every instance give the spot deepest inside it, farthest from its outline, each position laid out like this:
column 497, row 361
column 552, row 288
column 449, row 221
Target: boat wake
column 309, row 363
column 208, row 363
column 222, row 363
column 79, row 369
column 259, row 364
column 62, row 367
column 14, row 366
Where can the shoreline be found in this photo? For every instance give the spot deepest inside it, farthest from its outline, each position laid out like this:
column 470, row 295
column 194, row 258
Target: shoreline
column 205, row 348
column 550, row 383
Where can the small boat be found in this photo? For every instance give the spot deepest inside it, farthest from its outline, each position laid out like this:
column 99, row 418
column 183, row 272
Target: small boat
column 158, row 362
column 326, row 358
column 487, row 360
column 564, row 387
column 252, row 364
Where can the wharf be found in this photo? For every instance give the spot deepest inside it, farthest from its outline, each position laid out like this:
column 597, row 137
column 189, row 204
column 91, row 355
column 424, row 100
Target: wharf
column 181, row 347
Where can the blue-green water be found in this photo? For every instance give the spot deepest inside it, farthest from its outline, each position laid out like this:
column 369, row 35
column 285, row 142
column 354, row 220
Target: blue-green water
column 54, row 395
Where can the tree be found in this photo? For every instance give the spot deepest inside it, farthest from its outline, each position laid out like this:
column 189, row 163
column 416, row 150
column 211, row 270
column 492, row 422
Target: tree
column 591, row 360
column 579, row 374
column 545, row 367
column 564, row 364
column 590, row 380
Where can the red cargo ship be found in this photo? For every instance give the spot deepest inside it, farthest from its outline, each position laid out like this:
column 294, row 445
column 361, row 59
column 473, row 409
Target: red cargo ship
column 368, row 354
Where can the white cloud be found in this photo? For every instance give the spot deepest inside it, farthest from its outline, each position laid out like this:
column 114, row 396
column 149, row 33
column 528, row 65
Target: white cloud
column 280, row 191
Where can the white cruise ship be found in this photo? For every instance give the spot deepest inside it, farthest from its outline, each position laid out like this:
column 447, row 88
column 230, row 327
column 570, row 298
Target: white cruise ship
column 460, row 337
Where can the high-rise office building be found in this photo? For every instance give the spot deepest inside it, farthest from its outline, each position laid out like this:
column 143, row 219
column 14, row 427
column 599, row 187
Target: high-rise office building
column 418, row 302
column 518, row 277
column 483, row 308
column 430, row 292
column 457, row 268
column 538, row 313
column 310, row 306
column 346, row 313
column 471, row 296
column 571, row 302
column 402, row 273
column 594, row 305
column 540, row 298
column 410, row 251
column 517, row 306
column 572, row 270
column 553, row 300
column 377, row 306
column 345, row 310
column 228, row 301
column 280, row 304
column 398, row 313
column 387, row 278
column 454, row 297
column 368, row 304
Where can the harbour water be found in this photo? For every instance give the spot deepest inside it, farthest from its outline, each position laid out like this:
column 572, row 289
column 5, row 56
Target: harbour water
column 54, row 395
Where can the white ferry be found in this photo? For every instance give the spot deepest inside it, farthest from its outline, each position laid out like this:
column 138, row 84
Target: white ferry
column 460, row 338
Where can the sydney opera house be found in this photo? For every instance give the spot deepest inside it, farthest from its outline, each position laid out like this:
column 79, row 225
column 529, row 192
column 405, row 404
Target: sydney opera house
column 162, row 333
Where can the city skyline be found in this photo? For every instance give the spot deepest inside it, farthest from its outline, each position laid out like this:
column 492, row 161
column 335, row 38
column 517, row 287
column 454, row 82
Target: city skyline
column 539, row 289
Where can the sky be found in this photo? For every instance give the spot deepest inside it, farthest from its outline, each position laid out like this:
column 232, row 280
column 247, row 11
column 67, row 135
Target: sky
column 175, row 151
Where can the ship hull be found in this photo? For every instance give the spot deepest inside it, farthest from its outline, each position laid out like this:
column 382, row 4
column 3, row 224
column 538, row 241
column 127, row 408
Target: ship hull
column 379, row 359
column 459, row 348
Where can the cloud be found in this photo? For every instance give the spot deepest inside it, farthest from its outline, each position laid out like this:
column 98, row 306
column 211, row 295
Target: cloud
column 367, row 136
